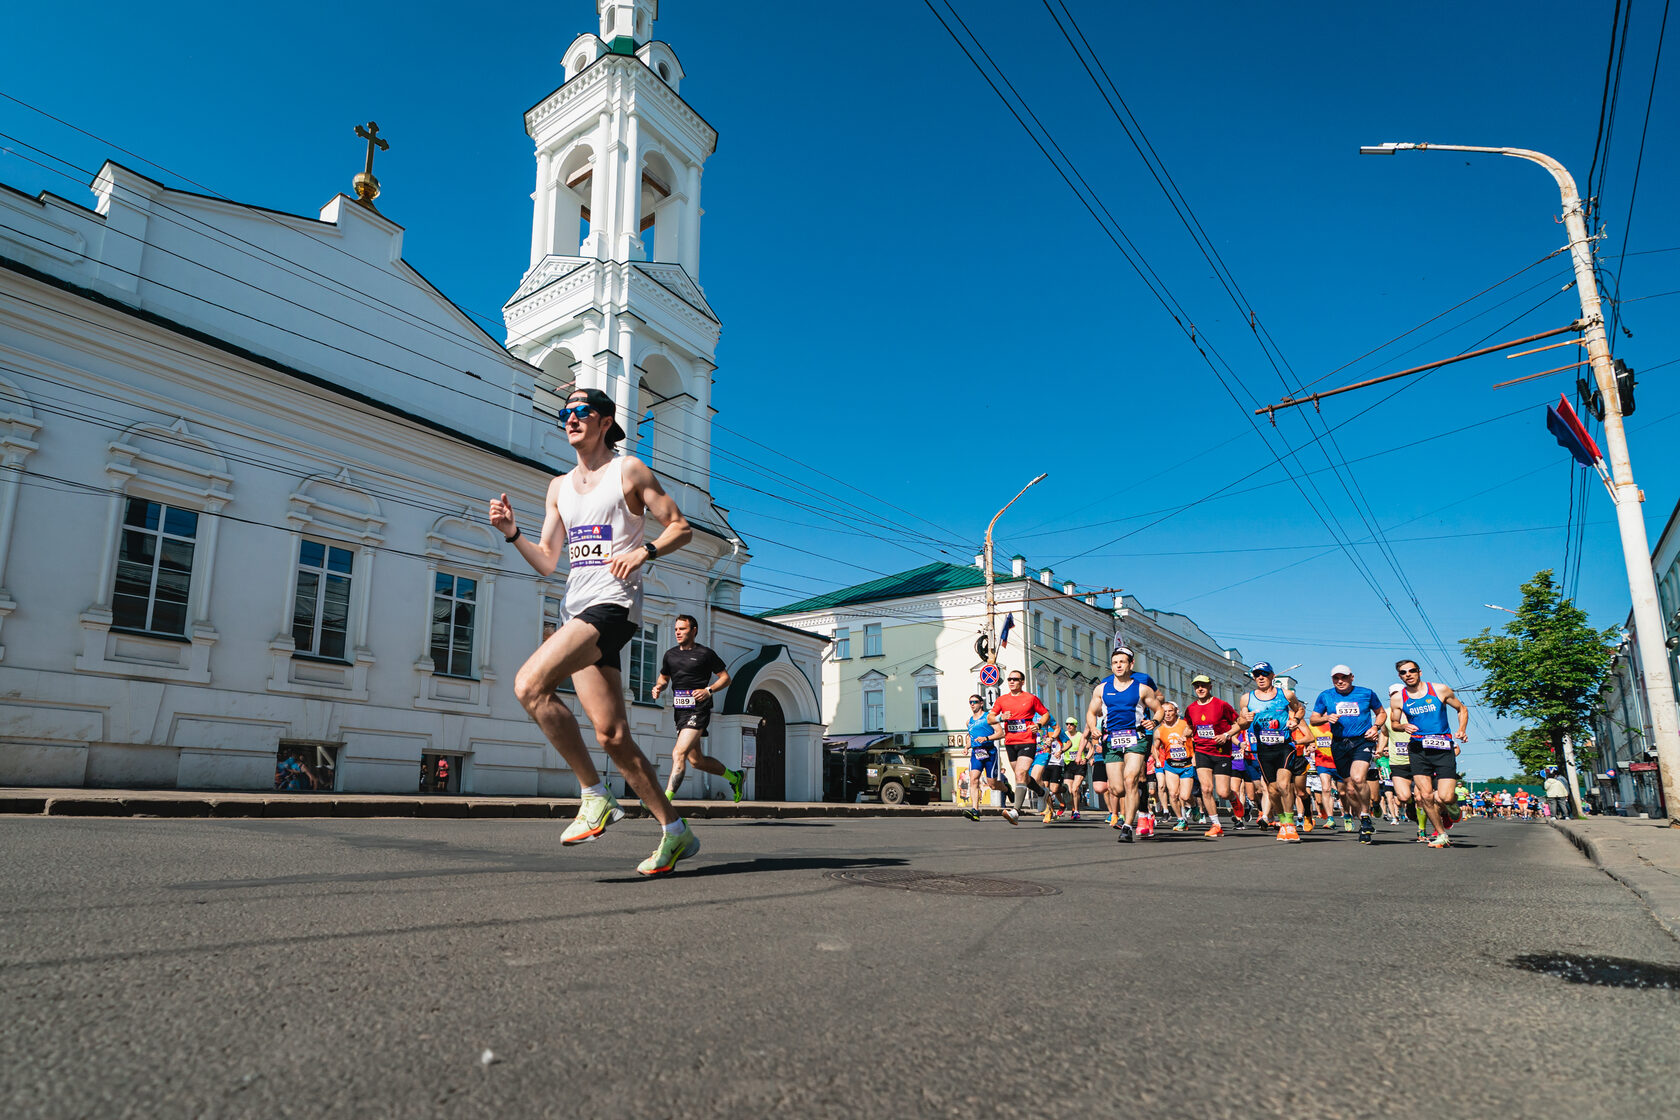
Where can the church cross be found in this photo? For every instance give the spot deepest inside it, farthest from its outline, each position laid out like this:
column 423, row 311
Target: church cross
column 371, row 135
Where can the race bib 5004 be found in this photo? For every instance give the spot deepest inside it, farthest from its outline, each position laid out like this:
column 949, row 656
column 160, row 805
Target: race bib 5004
column 588, row 546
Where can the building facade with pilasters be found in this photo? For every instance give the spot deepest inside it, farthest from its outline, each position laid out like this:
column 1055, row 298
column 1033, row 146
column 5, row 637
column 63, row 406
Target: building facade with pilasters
column 247, row 456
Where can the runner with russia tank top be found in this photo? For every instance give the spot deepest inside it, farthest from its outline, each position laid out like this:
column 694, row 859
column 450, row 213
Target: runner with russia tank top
column 1118, row 706
column 1270, row 715
column 593, row 515
column 1213, row 724
column 1422, row 710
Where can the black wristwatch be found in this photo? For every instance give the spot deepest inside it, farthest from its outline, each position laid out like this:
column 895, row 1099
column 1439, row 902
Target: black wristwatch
column 652, row 550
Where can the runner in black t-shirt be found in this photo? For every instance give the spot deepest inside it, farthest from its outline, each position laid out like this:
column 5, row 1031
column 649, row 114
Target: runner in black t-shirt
column 688, row 670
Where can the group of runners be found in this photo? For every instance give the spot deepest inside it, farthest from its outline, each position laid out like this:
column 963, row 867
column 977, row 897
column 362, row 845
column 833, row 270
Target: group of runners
column 1272, row 759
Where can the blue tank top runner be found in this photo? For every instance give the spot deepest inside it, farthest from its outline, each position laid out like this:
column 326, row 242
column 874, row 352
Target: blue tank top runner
column 1429, row 716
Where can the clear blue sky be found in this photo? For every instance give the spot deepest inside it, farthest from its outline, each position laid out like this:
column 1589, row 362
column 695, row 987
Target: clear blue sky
column 915, row 304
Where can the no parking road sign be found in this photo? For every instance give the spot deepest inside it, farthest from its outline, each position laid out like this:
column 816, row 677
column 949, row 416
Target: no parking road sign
column 989, row 676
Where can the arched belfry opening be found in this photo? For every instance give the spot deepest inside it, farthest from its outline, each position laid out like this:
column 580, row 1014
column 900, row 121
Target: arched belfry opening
column 573, row 183
column 661, row 213
column 663, row 432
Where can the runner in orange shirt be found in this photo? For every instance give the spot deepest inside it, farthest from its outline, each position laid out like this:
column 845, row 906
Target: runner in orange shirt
column 1020, row 714
column 1175, row 765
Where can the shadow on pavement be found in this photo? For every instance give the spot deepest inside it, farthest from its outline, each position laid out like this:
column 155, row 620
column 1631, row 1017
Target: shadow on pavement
column 1602, row 972
column 766, row 864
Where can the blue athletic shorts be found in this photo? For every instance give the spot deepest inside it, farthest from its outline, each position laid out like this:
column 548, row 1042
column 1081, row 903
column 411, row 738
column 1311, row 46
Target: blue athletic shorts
column 985, row 767
column 1348, row 751
column 1042, row 758
column 1179, row 771
column 1331, row 770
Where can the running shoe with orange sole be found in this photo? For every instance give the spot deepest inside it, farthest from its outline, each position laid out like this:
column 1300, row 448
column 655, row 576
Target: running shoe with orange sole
column 1287, row 833
column 1213, row 833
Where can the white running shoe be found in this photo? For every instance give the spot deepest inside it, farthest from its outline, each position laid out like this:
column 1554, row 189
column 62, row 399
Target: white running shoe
column 1012, row 816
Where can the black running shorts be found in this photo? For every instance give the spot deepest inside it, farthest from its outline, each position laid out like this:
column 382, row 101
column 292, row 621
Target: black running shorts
column 1434, row 764
column 613, row 630
column 1218, row 763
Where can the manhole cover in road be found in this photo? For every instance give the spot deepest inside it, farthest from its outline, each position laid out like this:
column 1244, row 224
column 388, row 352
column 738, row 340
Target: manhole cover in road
column 1603, row 972
column 931, row 882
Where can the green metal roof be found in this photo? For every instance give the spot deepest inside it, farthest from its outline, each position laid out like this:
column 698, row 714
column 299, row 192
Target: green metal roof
column 929, row 578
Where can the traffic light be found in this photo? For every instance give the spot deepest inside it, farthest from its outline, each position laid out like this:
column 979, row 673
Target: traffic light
column 1624, row 387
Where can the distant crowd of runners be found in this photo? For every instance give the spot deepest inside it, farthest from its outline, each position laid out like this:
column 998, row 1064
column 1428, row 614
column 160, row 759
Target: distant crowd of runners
column 1272, row 760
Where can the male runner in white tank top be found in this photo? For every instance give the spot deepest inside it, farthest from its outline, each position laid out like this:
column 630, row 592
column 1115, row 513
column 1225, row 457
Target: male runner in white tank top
column 593, row 514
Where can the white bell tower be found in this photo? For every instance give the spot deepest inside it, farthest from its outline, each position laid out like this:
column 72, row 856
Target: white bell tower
column 612, row 298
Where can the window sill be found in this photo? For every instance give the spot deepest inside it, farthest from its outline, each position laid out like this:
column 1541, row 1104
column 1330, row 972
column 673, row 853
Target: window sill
column 870, row 657
column 317, row 658
column 152, row 634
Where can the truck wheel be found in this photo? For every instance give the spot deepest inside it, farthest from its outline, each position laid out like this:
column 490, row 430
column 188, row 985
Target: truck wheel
column 892, row 793
column 916, row 798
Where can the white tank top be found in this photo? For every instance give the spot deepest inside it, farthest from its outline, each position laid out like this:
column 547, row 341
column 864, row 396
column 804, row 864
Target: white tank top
column 599, row 524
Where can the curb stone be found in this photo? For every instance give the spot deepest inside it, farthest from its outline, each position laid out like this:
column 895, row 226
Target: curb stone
column 1631, row 864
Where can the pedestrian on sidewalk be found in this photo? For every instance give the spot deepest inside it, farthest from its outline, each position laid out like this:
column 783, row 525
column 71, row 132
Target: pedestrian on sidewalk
column 1557, row 795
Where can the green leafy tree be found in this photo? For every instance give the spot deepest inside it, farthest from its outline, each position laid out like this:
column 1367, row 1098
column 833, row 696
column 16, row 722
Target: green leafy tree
column 1532, row 749
column 1545, row 669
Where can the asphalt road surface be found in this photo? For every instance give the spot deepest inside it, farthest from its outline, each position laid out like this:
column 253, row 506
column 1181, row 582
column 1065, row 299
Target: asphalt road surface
column 163, row 968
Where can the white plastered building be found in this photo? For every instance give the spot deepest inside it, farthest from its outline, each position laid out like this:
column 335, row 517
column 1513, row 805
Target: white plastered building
column 245, row 454
column 902, row 659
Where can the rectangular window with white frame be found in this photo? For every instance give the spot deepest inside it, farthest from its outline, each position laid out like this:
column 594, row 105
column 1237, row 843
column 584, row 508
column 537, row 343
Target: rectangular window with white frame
column 1056, row 634
column 843, row 643
column 454, row 620
column 154, row 568
column 874, row 709
column 927, row 704
column 644, row 662
column 321, row 604
column 872, row 639
column 1038, row 629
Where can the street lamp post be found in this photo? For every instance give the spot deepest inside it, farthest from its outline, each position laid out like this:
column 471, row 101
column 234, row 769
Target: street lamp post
column 1636, row 552
column 991, row 595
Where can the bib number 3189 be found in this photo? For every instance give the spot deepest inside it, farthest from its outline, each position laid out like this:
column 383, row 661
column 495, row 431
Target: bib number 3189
column 588, row 546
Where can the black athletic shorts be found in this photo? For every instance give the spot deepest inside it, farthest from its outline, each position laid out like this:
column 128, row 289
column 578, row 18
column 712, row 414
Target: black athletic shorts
column 1052, row 773
column 614, row 630
column 1434, row 764
column 1273, row 759
column 698, row 717
column 1219, row 764
column 1020, row 750
column 1298, row 765
column 1401, row 771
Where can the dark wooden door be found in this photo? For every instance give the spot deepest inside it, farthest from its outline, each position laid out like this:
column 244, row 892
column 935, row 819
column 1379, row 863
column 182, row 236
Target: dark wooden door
column 771, row 783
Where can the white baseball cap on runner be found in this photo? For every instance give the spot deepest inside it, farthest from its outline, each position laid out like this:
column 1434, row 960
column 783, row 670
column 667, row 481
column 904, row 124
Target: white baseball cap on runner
column 1341, row 671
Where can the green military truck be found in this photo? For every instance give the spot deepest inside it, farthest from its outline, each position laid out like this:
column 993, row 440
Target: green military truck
column 892, row 777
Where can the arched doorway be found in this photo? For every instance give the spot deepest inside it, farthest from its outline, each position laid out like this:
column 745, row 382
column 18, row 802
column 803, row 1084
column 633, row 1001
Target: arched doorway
column 771, row 766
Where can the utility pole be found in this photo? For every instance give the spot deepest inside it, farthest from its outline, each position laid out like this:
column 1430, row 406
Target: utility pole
column 991, row 594
column 1636, row 549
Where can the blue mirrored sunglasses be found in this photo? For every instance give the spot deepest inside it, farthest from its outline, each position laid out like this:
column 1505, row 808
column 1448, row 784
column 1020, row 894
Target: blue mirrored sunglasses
column 581, row 411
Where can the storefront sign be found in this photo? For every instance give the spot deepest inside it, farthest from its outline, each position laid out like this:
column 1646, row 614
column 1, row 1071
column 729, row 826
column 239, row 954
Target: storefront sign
column 1642, row 767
